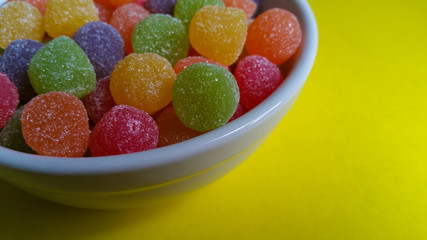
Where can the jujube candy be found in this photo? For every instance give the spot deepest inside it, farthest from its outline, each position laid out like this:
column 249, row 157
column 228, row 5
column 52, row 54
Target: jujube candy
column 104, row 12
column 160, row 6
column 9, row 99
column 188, row 61
column 185, row 9
column 39, row 4
column 205, row 96
column 143, row 81
column 123, row 129
column 99, row 101
column 248, row 6
column 274, row 34
column 117, row 3
column 56, row 124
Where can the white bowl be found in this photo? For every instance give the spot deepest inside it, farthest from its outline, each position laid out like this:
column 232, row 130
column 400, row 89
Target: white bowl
column 137, row 179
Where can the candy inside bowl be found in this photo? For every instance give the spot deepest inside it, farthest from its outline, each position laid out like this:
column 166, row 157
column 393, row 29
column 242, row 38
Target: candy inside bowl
column 140, row 178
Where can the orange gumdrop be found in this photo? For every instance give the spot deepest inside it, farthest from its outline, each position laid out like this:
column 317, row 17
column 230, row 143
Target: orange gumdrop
column 104, row 12
column 188, row 61
column 248, row 6
column 275, row 34
column 39, row 4
column 125, row 18
column 56, row 124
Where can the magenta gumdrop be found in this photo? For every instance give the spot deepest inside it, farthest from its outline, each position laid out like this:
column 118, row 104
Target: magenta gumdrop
column 123, row 129
column 99, row 101
column 9, row 99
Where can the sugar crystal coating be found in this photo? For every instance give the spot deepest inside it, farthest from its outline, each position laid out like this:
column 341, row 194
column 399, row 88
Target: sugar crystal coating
column 20, row 20
column 117, row 3
column 104, row 12
column 185, row 9
column 11, row 135
column 257, row 78
column 163, row 35
column 160, row 6
column 188, row 61
column 248, row 6
column 99, row 101
column 143, row 81
column 39, row 4
column 125, row 18
column 56, row 124
column 205, row 96
column 219, row 33
column 124, row 129
column 9, row 99
column 102, row 44
column 64, row 17
column 274, row 34
column 15, row 63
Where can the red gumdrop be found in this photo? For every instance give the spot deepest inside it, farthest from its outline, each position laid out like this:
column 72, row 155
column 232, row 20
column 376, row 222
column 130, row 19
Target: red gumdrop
column 188, row 61
column 9, row 99
column 99, row 101
column 123, row 129
column 240, row 110
column 257, row 78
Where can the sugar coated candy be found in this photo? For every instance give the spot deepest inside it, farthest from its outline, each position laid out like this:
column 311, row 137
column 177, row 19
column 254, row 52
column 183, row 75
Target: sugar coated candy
column 39, row 4
column 143, row 81
column 17, row 57
column 61, row 65
column 274, row 34
column 104, row 12
column 123, row 129
column 20, row 20
column 64, row 17
column 257, row 78
column 171, row 129
column 185, row 9
column 99, row 101
column 9, row 99
column 102, row 44
column 105, row 3
column 160, row 6
column 11, row 135
column 188, row 61
column 219, row 33
column 205, row 96
column 56, row 124
column 125, row 18
column 163, row 35
column 117, row 3
column 248, row 6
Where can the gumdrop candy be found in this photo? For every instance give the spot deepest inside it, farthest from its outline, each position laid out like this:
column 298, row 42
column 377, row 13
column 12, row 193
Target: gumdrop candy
column 99, row 101
column 9, row 99
column 188, row 61
column 205, row 96
column 117, row 3
column 104, row 12
column 39, row 4
column 160, row 6
column 185, row 9
column 20, row 20
column 123, row 129
column 143, row 81
column 125, row 18
column 61, row 65
column 64, row 17
column 17, row 57
column 219, row 33
column 240, row 111
column 102, row 44
column 105, row 3
column 171, row 129
column 56, row 124
column 257, row 78
column 248, row 6
column 274, row 34
column 11, row 135
column 163, row 35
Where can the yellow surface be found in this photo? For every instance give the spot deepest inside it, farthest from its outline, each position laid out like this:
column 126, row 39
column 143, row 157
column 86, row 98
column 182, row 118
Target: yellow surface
column 349, row 161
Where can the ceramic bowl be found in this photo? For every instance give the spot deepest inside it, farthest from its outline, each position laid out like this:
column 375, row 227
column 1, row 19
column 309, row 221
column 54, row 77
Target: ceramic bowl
column 137, row 179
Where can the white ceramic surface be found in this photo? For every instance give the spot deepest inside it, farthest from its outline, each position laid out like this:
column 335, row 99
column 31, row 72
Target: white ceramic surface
column 142, row 178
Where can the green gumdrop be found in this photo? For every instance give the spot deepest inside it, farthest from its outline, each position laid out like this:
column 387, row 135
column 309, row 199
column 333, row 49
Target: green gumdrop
column 11, row 134
column 185, row 9
column 61, row 65
column 205, row 96
column 163, row 35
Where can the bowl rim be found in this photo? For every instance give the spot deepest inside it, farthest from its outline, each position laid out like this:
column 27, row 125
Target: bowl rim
column 179, row 152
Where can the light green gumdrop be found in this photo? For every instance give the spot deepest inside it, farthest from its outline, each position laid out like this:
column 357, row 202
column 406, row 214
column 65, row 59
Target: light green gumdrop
column 61, row 65
column 185, row 9
column 205, row 96
column 11, row 134
column 163, row 35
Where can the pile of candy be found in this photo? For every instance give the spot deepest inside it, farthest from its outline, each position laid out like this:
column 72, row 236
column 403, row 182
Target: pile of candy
column 147, row 73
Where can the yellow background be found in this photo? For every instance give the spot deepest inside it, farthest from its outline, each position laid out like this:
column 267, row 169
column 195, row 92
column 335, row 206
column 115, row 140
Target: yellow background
column 349, row 161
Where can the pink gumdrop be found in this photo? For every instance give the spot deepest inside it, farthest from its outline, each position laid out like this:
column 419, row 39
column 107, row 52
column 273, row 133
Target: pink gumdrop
column 9, row 99
column 257, row 78
column 239, row 112
column 99, row 101
column 123, row 129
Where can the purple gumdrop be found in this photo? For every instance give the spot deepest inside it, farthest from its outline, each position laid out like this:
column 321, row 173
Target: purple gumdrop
column 16, row 58
column 160, row 6
column 103, row 45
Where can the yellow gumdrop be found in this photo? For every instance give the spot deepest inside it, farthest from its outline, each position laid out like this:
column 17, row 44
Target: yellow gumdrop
column 143, row 81
column 64, row 17
column 20, row 20
column 219, row 33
